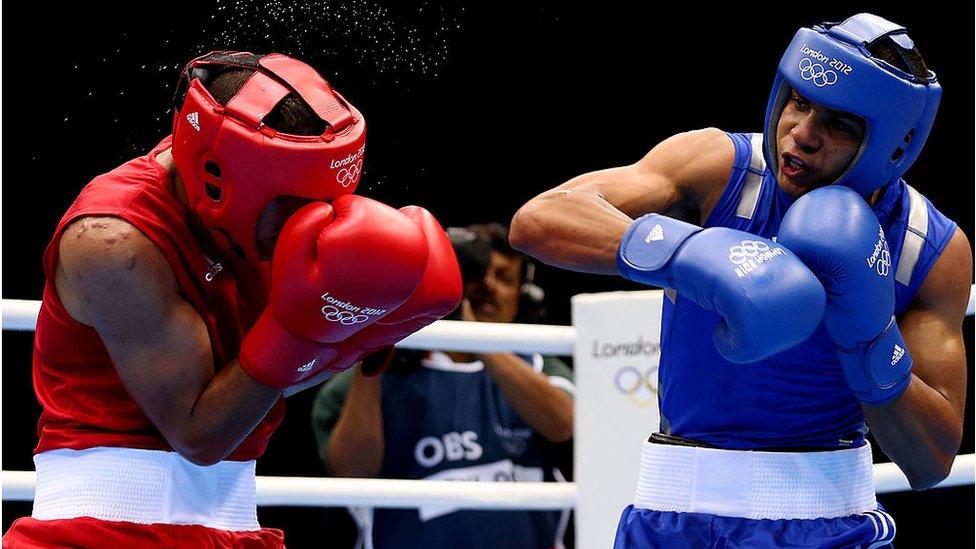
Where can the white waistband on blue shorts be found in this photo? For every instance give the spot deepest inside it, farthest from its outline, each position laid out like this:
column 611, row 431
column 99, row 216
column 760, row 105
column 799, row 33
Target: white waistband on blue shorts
column 145, row 487
column 756, row 485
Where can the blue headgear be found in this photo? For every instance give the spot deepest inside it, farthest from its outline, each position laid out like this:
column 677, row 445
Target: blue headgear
column 830, row 64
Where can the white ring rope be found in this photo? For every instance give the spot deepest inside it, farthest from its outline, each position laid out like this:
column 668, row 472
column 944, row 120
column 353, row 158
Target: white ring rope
column 451, row 335
column 972, row 300
column 21, row 315
column 408, row 494
column 487, row 337
column 448, row 335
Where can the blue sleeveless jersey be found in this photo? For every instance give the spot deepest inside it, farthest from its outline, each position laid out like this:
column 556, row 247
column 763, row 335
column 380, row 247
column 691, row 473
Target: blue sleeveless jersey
column 798, row 398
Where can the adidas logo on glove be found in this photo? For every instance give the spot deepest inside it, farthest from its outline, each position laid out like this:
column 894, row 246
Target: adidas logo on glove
column 896, row 356
column 656, row 234
column 308, row 366
column 194, row 119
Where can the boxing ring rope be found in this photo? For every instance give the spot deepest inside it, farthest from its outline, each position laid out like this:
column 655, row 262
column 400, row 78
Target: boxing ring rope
column 409, row 494
column 21, row 315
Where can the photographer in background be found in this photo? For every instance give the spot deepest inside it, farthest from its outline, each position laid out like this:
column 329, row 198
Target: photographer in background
column 456, row 416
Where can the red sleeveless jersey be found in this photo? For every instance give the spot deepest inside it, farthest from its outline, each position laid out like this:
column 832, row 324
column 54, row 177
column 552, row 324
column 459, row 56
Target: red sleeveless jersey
column 83, row 399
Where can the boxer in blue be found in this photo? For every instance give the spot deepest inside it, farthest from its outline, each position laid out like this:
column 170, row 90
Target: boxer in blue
column 762, row 435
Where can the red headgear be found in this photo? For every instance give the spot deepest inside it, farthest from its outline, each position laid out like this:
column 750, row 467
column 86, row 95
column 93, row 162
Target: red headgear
column 233, row 165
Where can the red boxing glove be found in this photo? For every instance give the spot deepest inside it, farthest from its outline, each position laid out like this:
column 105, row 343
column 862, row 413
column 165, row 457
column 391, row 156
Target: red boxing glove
column 439, row 292
column 337, row 269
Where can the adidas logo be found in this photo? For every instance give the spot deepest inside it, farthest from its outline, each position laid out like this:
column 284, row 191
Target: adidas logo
column 194, row 119
column 656, row 234
column 896, row 356
column 308, row 366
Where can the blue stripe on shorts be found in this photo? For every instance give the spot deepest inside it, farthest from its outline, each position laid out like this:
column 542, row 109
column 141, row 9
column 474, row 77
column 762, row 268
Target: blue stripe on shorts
column 646, row 529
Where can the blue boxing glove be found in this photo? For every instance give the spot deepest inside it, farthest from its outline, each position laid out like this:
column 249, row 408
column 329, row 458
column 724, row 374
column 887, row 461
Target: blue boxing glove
column 768, row 300
column 837, row 235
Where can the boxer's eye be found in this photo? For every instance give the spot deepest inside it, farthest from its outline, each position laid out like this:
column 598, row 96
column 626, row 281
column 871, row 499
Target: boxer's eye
column 846, row 125
column 799, row 101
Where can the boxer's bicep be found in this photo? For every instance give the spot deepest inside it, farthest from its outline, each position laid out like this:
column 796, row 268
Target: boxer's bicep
column 932, row 327
column 124, row 288
column 690, row 167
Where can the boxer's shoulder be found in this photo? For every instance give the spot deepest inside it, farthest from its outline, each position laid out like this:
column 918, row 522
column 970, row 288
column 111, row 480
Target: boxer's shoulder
column 103, row 243
column 947, row 285
column 103, row 260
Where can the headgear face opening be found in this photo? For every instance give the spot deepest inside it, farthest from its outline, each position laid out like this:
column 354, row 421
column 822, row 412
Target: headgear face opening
column 233, row 165
column 831, row 64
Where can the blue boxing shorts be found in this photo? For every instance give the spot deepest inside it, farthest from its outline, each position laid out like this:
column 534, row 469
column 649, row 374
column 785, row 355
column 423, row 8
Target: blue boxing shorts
column 705, row 497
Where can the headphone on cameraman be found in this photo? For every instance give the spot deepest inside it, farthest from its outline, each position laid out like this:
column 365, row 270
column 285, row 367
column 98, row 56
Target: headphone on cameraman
column 473, row 250
column 530, row 290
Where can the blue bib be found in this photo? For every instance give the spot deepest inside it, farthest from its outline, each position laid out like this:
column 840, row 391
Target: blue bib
column 447, row 421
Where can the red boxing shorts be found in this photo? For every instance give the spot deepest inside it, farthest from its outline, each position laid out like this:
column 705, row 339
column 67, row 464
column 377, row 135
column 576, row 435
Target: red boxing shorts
column 90, row 532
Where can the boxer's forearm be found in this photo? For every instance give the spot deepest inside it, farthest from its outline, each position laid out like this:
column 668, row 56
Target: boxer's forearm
column 920, row 431
column 544, row 407
column 356, row 445
column 572, row 229
column 230, row 406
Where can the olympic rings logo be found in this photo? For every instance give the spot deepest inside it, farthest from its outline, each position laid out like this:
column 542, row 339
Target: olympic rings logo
column 884, row 262
column 815, row 72
column 741, row 253
column 639, row 387
column 333, row 314
column 880, row 258
column 350, row 175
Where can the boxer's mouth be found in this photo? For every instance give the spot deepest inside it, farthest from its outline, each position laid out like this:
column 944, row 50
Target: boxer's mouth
column 793, row 167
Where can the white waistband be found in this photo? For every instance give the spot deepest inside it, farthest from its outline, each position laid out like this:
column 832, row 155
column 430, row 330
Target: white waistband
column 145, row 487
column 756, row 485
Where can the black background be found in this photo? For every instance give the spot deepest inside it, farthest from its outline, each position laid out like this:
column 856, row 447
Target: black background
column 471, row 111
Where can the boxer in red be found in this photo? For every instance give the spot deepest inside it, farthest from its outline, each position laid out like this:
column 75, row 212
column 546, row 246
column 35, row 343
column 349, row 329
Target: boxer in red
column 189, row 290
